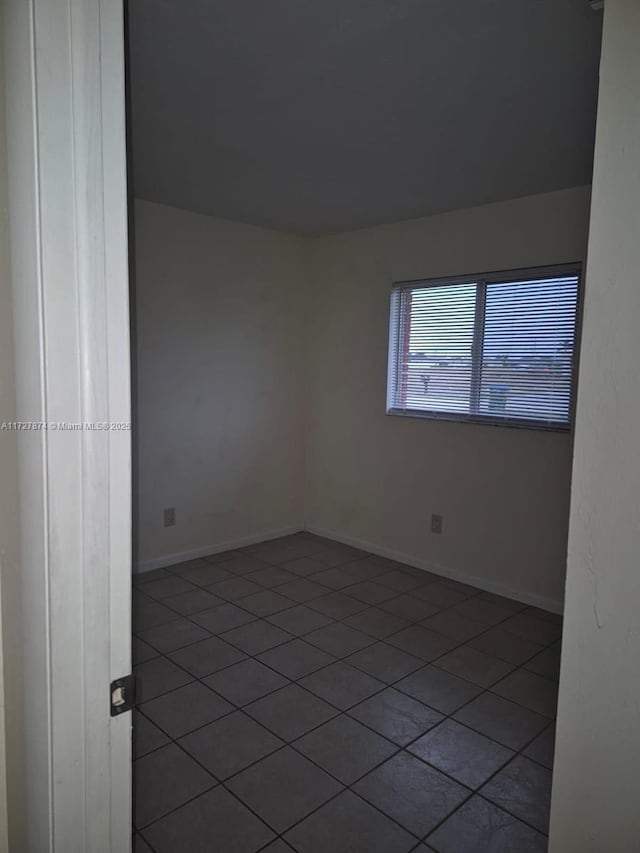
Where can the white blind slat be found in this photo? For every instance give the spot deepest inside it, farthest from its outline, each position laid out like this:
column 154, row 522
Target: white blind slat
column 500, row 350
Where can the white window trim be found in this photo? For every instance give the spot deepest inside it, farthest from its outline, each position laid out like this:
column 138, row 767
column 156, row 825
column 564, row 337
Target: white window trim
column 475, row 416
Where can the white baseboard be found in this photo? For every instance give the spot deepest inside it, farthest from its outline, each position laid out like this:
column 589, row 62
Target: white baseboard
column 208, row 550
column 485, row 584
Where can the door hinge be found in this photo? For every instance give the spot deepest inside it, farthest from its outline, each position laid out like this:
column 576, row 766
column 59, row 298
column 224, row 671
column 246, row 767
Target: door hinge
column 122, row 695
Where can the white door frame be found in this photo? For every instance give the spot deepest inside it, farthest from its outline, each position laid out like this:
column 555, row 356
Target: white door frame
column 68, row 215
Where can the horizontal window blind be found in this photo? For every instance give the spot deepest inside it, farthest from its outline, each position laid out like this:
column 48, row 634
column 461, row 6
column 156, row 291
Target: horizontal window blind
column 435, row 343
column 497, row 348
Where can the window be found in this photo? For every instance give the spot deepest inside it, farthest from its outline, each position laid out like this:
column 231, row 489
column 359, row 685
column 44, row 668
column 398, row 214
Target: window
column 495, row 348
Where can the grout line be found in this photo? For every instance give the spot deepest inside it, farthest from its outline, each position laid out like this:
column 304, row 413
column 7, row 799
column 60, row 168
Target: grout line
column 385, row 686
column 394, row 684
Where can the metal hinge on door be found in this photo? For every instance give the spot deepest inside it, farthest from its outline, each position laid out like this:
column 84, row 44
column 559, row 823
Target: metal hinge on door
column 122, row 695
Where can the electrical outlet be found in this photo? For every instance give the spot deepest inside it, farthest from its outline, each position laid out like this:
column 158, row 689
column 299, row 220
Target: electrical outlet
column 436, row 524
column 170, row 516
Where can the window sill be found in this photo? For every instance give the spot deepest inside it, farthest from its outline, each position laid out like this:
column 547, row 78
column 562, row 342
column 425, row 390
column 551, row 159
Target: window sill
column 486, row 420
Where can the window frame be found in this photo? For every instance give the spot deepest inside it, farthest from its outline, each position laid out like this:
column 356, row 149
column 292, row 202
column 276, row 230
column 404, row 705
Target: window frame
column 481, row 280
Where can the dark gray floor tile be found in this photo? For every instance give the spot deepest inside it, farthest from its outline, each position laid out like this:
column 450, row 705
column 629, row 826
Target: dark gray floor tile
column 422, row 575
column 377, row 623
column 471, row 758
column 348, row 824
column 295, row 659
column 337, row 605
column 158, row 676
column 216, row 821
column 341, row 685
column 193, row 601
column 543, row 747
column 271, row 576
column 242, row 564
column 409, row 607
column 438, row 595
column 166, row 587
column 146, row 735
column 279, row 552
column 206, row 657
column 412, row 793
column 482, row 611
column 187, row 566
column 245, row 682
column 234, row 588
column 229, row 745
column 278, row 846
column 339, row 555
column 400, row 580
column 370, row 592
column 454, row 625
column 149, row 615
column 283, row 788
column 140, row 845
column 509, row 647
column 385, row 662
column 207, row 574
column 290, row 712
column 396, row 716
column 474, row 665
column 421, row 642
column 481, row 827
column 370, row 566
column 545, row 615
column 338, row 639
column 523, row 789
column 226, row 556
column 531, row 628
column 139, row 599
column 334, row 578
column 439, row 689
column 223, row 618
column 345, row 749
column 463, row 588
column 266, row 602
column 164, row 780
column 274, row 579
column 142, row 651
column 256, row 637
column 304, row 566
column 506, row 603
column 299, row 620
column 364, row 569
column 186, row 709
column 173, row 635
column 302, row 589
column 547, row 663
column 141, row 579
column 502, row 720
column 531, row 690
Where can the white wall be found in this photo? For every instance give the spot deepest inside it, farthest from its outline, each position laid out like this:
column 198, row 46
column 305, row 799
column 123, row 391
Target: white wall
column 596, row 794
column 504, row 493
column 220, row 381
column 223, row 429
column 11, row 755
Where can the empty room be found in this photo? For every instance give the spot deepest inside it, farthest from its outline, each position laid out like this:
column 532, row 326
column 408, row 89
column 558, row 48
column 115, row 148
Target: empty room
column 359, row 233
column 319, row 464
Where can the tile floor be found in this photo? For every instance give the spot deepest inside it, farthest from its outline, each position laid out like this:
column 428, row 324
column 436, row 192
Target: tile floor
column 302, row 695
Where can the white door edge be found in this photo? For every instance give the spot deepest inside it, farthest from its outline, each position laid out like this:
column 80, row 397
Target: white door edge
column 68, row 213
